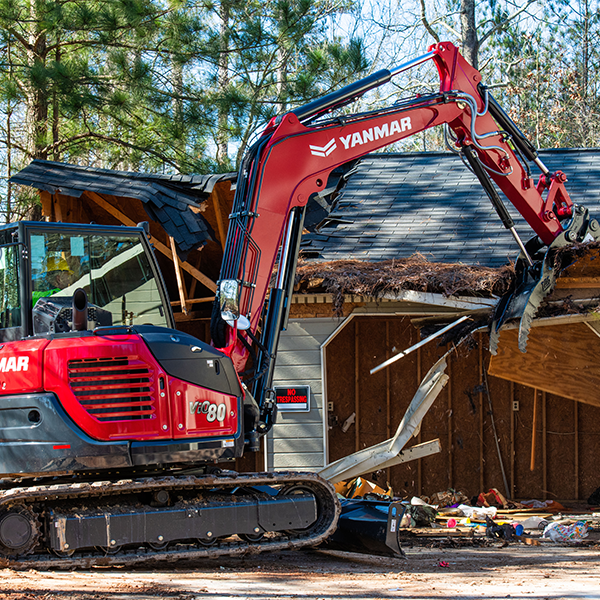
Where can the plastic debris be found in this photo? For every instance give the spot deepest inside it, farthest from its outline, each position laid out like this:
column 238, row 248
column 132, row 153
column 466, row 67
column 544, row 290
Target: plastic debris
column 503, row 531
column 492, row 498
column 534, row 522
column 360, row 488
column 548, row 505
column 572, row 534
column 478, row 512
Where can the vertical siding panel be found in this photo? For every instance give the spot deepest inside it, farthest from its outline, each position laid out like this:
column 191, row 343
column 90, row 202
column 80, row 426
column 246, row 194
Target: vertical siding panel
column 296, row 442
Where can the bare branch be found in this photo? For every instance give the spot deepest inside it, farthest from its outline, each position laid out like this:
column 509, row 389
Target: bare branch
column 426, row 24
column 514, row 15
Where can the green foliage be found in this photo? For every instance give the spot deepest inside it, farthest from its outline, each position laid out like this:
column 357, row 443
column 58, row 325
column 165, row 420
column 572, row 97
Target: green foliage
column 550, row 75
column 135, row 84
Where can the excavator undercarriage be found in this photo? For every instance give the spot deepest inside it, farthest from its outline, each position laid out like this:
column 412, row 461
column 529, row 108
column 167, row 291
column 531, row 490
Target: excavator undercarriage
column 163, row 518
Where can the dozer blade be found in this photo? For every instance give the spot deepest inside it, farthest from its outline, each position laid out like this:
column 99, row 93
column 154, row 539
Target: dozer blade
column 536, row 282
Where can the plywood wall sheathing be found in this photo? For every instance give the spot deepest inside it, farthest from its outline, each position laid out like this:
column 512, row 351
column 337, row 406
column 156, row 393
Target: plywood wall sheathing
column 562, row 360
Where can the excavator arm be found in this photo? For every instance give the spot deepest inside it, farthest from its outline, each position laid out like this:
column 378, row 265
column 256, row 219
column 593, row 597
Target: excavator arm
column 297, row 152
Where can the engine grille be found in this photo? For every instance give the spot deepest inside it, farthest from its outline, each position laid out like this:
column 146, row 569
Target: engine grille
column 113, row 389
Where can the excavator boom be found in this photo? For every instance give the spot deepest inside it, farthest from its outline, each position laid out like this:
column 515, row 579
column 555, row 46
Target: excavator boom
column 298, row 151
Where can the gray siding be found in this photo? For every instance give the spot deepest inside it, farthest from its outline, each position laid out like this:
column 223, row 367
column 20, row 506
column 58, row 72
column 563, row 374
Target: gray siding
column 296, row 441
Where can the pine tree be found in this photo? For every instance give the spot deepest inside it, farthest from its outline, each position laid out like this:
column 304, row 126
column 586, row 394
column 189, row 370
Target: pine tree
column 157, row 85
column 88, row 82
column 270, row 56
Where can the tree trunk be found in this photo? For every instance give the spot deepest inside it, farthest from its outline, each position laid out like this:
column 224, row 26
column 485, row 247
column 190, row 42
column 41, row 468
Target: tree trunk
column 469, row 42
column 585, row 68
column 177, row 82
column 37, row 96
column 281, row 78
column 222, row 85
column 55, row 116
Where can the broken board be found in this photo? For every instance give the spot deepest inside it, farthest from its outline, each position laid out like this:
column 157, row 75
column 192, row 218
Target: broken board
column 560, row 359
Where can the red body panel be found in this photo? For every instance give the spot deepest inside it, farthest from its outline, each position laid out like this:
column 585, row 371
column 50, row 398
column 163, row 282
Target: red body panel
column 114, row 389
column 198, row 412
column 21, row 366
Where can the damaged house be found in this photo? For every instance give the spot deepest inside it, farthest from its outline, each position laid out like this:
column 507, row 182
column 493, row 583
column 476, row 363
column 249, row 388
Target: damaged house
column 395, row 247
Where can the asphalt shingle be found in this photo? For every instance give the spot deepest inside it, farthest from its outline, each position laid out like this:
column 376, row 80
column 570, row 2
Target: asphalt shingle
column 166, row 198
column 431, row 203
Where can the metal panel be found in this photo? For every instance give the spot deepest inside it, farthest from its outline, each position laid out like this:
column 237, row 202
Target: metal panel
column 291, row 444
column 297, row 430
column 305, row 461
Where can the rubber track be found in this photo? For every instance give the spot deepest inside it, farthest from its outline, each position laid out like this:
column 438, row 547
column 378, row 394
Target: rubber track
column 329, row 511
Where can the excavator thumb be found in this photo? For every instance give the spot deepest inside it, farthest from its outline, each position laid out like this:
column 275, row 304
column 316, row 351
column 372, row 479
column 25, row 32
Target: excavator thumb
column 536, row 281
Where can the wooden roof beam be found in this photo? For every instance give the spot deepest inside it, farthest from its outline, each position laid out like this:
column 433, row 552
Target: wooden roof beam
column 123, row 218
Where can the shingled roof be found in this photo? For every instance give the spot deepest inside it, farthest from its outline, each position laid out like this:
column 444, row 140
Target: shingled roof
column 395, row 205
column 166, row 198
column 382, row 207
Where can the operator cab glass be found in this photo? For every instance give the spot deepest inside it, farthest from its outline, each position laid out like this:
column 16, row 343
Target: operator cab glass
column 42, row 265
column 10, row 298
column 113, row 270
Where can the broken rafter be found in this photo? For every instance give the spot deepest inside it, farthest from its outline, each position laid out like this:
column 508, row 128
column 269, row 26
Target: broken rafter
column 115, row 212
column 193, row 301
column 180, row 284
column 389, row 453
column 400, row 355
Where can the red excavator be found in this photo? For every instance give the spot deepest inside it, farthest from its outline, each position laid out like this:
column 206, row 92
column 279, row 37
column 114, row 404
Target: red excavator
column 113, row 424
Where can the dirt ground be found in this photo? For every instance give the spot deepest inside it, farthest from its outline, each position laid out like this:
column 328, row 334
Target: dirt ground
column 545, row 572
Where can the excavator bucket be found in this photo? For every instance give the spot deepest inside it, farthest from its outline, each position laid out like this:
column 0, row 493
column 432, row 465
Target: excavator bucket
column 564, row 340
column 536, row 279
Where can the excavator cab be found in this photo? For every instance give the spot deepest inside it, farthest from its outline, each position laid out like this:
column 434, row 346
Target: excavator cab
column 109, row 272
column 92, row 369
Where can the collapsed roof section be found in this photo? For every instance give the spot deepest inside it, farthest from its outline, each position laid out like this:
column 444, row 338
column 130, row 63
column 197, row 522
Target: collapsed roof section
column 171, row 200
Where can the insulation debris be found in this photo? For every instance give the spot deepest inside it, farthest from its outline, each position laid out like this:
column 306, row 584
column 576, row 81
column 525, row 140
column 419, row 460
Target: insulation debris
column 415, row 273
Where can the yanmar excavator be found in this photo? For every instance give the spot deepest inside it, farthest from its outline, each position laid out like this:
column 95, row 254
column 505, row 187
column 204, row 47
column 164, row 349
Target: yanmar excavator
column 113, row 424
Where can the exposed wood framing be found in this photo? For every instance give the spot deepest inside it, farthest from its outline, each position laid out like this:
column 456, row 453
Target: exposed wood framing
column 179, row 276
column 576, row 449
column 388, row 398
column 577, row 283
column 218, row 203
column 515, row 430
column 481, row 448
column 58, row 215
column 356, row 389
column 123, row 218
column 194, row 280
column 46, row 199
column 420, row 461
column 450, row 427
column 534, row 430
column 512, row 440
column 544, row 448
column 193, row 301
